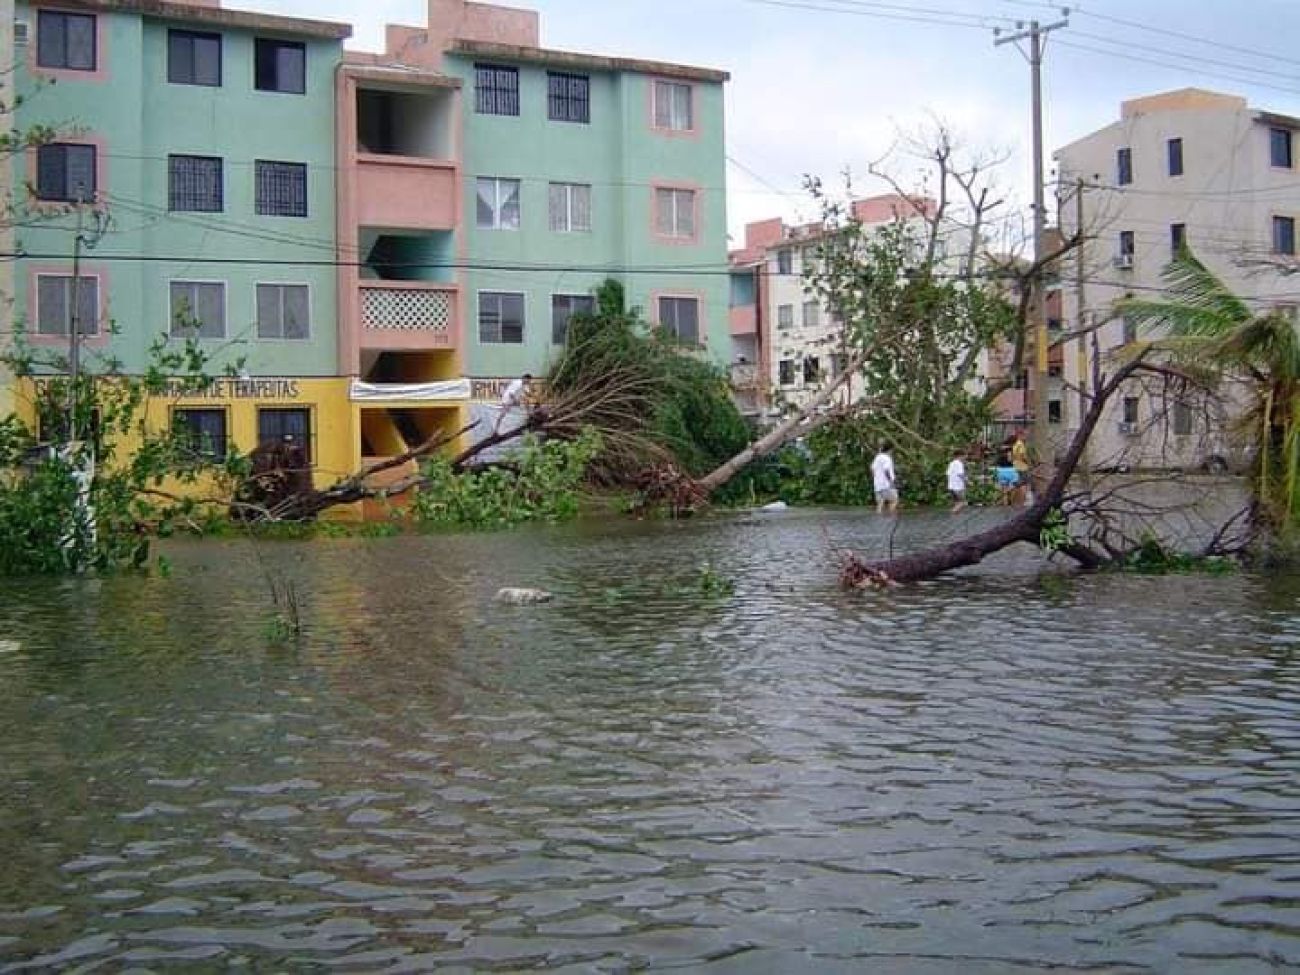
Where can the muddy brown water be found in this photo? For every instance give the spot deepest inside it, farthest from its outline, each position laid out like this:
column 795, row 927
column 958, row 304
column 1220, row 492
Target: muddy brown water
column 1001, row 771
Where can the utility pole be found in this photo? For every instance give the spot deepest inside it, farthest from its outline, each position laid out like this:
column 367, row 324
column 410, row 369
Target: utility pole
column 1036, row 34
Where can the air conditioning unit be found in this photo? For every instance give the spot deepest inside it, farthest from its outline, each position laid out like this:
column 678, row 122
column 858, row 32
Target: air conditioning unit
column 1128, row 429
column 22, row 30
column 1124, row 261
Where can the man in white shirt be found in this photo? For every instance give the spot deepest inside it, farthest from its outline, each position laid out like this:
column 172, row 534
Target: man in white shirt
column 515, row 395
column 882, row 480
column 957, row 481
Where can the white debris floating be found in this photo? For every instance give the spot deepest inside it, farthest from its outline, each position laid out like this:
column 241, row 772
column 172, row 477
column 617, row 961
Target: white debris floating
column 523, row 597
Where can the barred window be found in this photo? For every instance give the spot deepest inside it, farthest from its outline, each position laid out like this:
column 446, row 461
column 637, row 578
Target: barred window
column 193, row 58
column 65, row 40
column 680, row 318
column 198, row 309
column 673, row 106
column 568, row 97
column 500, row 318
column 283, row 311
column 286, row 425
column 281, row 189
column 563, row 308
column 65, row 171
column 201, row 431
column 674, row 212
column 280, row 66
column 194, row 183
column 496, row 90
column 570, row 205
column 55, row 301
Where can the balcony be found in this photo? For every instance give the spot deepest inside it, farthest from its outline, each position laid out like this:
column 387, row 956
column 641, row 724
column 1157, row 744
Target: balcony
column 406, row 192
column 746, row 377
column 743, row 319
column 412, row 315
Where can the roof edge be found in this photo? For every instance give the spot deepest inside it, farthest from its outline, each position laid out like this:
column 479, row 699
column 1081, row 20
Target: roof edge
column 542, row 55
column 219, row 16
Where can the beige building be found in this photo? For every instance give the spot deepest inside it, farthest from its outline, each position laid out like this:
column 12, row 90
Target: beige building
column 1186, row 167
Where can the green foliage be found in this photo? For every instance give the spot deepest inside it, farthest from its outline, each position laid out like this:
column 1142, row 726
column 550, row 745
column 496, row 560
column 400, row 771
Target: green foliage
column 540, row 483
column 1054, row 534
column 713, row 583
column 1154, row 557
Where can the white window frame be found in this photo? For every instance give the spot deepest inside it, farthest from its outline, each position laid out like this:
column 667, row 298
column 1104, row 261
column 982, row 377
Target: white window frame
column 699, row 316
column 225, row 309
column 674, row 230
column 523, row 317
column 568, row 222
column 257, row 322
column 670, row 119
column 496, row 204
column 99, row 304
column 812, row 314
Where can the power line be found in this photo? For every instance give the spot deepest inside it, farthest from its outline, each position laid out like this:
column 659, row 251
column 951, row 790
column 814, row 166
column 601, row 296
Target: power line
column 1166, row 52
column 1177, row 67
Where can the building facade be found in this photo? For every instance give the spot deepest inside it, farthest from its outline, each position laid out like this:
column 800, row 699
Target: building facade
column 194, row 148
column 1186, row 168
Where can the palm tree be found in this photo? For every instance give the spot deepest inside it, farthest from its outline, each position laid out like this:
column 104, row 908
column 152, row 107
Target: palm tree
column 1214, row 333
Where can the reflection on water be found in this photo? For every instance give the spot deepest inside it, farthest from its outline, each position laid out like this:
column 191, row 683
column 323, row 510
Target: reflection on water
column 995, row 772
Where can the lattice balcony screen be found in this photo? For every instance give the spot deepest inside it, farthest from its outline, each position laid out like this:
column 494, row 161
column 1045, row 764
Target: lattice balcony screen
column 406, row 309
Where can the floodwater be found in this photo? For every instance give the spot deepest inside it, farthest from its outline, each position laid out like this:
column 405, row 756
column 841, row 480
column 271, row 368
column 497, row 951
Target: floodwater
column 998, row 772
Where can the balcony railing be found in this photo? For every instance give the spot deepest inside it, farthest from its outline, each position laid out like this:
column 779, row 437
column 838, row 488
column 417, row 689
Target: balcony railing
column 746, row 376
column 406, row 192
column 409, row 314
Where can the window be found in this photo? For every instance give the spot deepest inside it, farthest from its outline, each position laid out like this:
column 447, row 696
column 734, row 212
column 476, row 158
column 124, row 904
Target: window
column 281, row 188
column 1123, row 166
column 673, row 106
column 65, row 41
column 1127, row 244
column 1279, row 147
column 55, row 301
column 280, row 66
column 1129, row 330
column 201, row 431
column 198, row 309
column 839, row 362
column 1177, row 238
column 675, row 212
column 1053, row 411
column 1175, row 157
column 496, row 90
column 570, row 207
column 65, row 171
column 785, row 316
column 563, row 308
column 811, row 314
column 812, row 369
column 500, row 318
column 1181, row 415
column 194, row 184
column 787, row 372
column 1053, row 324
column 568, row 97
column 283, row 311
column 1283, row 235
column 286, row 425
column 1130, row 409
column 498, row 203
column 785, row 261
column 680, row 317
column 193, row 58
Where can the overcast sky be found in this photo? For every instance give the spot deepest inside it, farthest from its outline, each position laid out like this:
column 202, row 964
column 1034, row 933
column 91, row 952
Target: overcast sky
column 820, row 85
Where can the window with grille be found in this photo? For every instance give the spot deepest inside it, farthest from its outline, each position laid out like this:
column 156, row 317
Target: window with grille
column 680, row 318
column 500, row 318
column 675, row 212
column 193, row 58
column 563, row 308
column 498, row 203
column 279, row 66
column 65, row 40
column 496, row 90
column 198, row 309
column 283, row 311
column 65, row 171
column 286, row 425
column 194, row 183
column 568, row 97
column 1279, row 147
column 1175, row 157
column 201, row 432
column 673, row 106
column 55, row 299
column 1283, row 235
column 570, row 205
column 281, row 188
